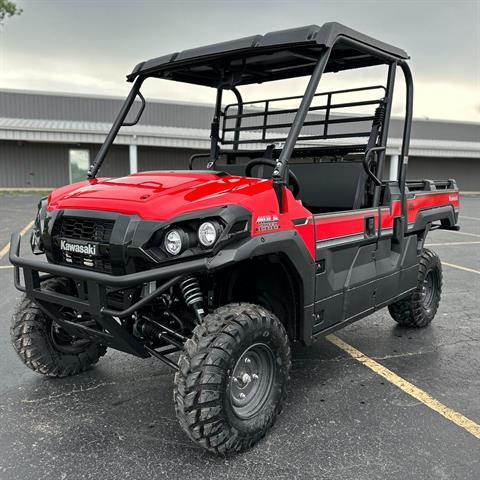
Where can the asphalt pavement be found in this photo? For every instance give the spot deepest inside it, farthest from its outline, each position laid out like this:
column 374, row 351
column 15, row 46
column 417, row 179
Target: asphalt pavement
column 341, row 421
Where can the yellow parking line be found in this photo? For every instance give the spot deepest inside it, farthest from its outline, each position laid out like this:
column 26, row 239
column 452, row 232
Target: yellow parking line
column 4, row 267
column 415, row 392
column 451, row 243
column 6, row 248
column 466, row 269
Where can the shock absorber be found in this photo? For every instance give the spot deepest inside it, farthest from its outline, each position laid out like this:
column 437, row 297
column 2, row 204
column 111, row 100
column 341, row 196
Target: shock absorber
column 193, row 296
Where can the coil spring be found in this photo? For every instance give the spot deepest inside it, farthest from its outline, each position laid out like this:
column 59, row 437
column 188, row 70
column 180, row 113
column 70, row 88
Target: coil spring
column 379, row 117
column 191, row 291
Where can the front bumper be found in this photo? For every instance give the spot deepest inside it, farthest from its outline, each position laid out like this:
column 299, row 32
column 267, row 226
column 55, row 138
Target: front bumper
column 93, row 299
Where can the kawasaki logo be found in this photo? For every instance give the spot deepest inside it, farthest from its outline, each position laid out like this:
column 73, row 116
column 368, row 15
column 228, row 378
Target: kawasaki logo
column 83, row 248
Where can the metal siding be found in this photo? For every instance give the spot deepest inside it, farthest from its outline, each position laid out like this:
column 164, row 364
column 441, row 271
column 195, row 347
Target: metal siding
column 117, row 162
column 40, row 165
column 437, row 130
column 466, row 171
column 95, row 109
column 56, row 106
column 31, row 165
column 177, row 115
column 36, row 163
column 152, row 158
column 45, row 165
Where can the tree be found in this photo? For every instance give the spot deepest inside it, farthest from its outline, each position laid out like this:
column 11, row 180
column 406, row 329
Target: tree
column 8, row 9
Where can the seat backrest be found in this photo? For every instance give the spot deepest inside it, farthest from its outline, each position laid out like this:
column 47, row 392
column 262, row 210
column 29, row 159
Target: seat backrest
column 258, row 171
column 324, row 186
column 231, row 169
column 330, row 186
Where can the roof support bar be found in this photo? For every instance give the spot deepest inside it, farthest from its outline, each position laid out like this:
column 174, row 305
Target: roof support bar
column 117, row 124
column 238, row 121
column 392, row 68
column 407, row 127
column 215, row 130
column 280, row 171
column 279, row 174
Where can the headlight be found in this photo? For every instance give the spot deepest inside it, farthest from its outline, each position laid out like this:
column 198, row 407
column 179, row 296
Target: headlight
column 42, row 212
column 207, row 234
column 36, row 241
column 173, row 242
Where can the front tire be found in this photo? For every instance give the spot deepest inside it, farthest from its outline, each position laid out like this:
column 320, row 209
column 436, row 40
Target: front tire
column 419, row 308
column 232, row 378
column 43, row 346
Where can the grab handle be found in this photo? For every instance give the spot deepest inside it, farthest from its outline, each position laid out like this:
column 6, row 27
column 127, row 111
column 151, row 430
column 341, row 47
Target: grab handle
column 368, row 154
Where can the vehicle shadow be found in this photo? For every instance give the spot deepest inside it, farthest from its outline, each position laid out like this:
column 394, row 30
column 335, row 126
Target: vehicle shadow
column 120, row 416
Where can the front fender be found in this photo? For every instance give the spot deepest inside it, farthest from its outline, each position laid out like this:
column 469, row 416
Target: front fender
column 291, row 247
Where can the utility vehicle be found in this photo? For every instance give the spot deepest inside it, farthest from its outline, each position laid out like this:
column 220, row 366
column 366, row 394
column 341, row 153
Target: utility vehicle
column 284, row 231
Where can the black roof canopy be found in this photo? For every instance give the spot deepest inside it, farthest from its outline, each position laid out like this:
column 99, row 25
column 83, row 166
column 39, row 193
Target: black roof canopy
column 273, row 56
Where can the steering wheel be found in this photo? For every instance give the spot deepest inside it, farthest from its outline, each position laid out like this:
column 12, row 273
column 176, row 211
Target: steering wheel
column 292, row 178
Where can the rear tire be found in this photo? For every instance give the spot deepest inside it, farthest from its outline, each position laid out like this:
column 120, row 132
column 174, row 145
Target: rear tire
column 45, row 348
column 419, row 308
column 231, row 384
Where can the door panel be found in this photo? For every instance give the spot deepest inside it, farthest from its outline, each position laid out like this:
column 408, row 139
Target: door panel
column 361, row 264
column 360, row 301
column 330, row 284
column 327, row 312
column 396, row 259
column 337, row 264
column 345, row 249
column 361, row 283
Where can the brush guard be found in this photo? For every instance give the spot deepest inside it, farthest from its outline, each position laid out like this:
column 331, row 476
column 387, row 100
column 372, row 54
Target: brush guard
column 92, row 298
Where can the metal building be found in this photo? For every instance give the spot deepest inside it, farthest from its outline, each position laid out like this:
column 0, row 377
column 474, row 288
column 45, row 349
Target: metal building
column 49, row 139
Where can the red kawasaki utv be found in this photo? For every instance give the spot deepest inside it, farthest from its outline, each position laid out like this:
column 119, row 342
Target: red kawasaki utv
column 286, row 230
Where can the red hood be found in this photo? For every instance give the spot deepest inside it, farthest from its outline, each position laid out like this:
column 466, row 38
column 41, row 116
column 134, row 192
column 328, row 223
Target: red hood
column 160, row 195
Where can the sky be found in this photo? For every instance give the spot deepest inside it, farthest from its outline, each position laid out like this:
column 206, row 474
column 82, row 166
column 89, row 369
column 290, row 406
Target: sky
column 88, row 46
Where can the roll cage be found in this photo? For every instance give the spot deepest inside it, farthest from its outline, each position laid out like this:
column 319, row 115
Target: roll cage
column 303, row 51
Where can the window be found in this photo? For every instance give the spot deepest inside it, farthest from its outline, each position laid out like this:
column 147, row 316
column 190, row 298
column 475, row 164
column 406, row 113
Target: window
column 79, row 161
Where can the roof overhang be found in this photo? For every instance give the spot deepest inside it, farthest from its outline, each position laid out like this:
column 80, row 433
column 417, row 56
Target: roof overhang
column 60, row 131
column 273, row 56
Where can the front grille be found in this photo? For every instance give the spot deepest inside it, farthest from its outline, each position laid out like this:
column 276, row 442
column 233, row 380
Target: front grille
column 89, row 230
column 86, row 229
column 77, row 260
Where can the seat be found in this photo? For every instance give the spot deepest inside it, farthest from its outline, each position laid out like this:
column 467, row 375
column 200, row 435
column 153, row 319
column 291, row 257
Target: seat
column 231, row 169
column 259, row 171
column 324, row 187
column 331, row 186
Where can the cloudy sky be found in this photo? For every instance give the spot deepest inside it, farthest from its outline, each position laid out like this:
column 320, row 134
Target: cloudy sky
column 87, row 46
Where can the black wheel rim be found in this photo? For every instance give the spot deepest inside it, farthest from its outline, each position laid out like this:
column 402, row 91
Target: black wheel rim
column 66, row 343
column 429, row 289
column 252, row 380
